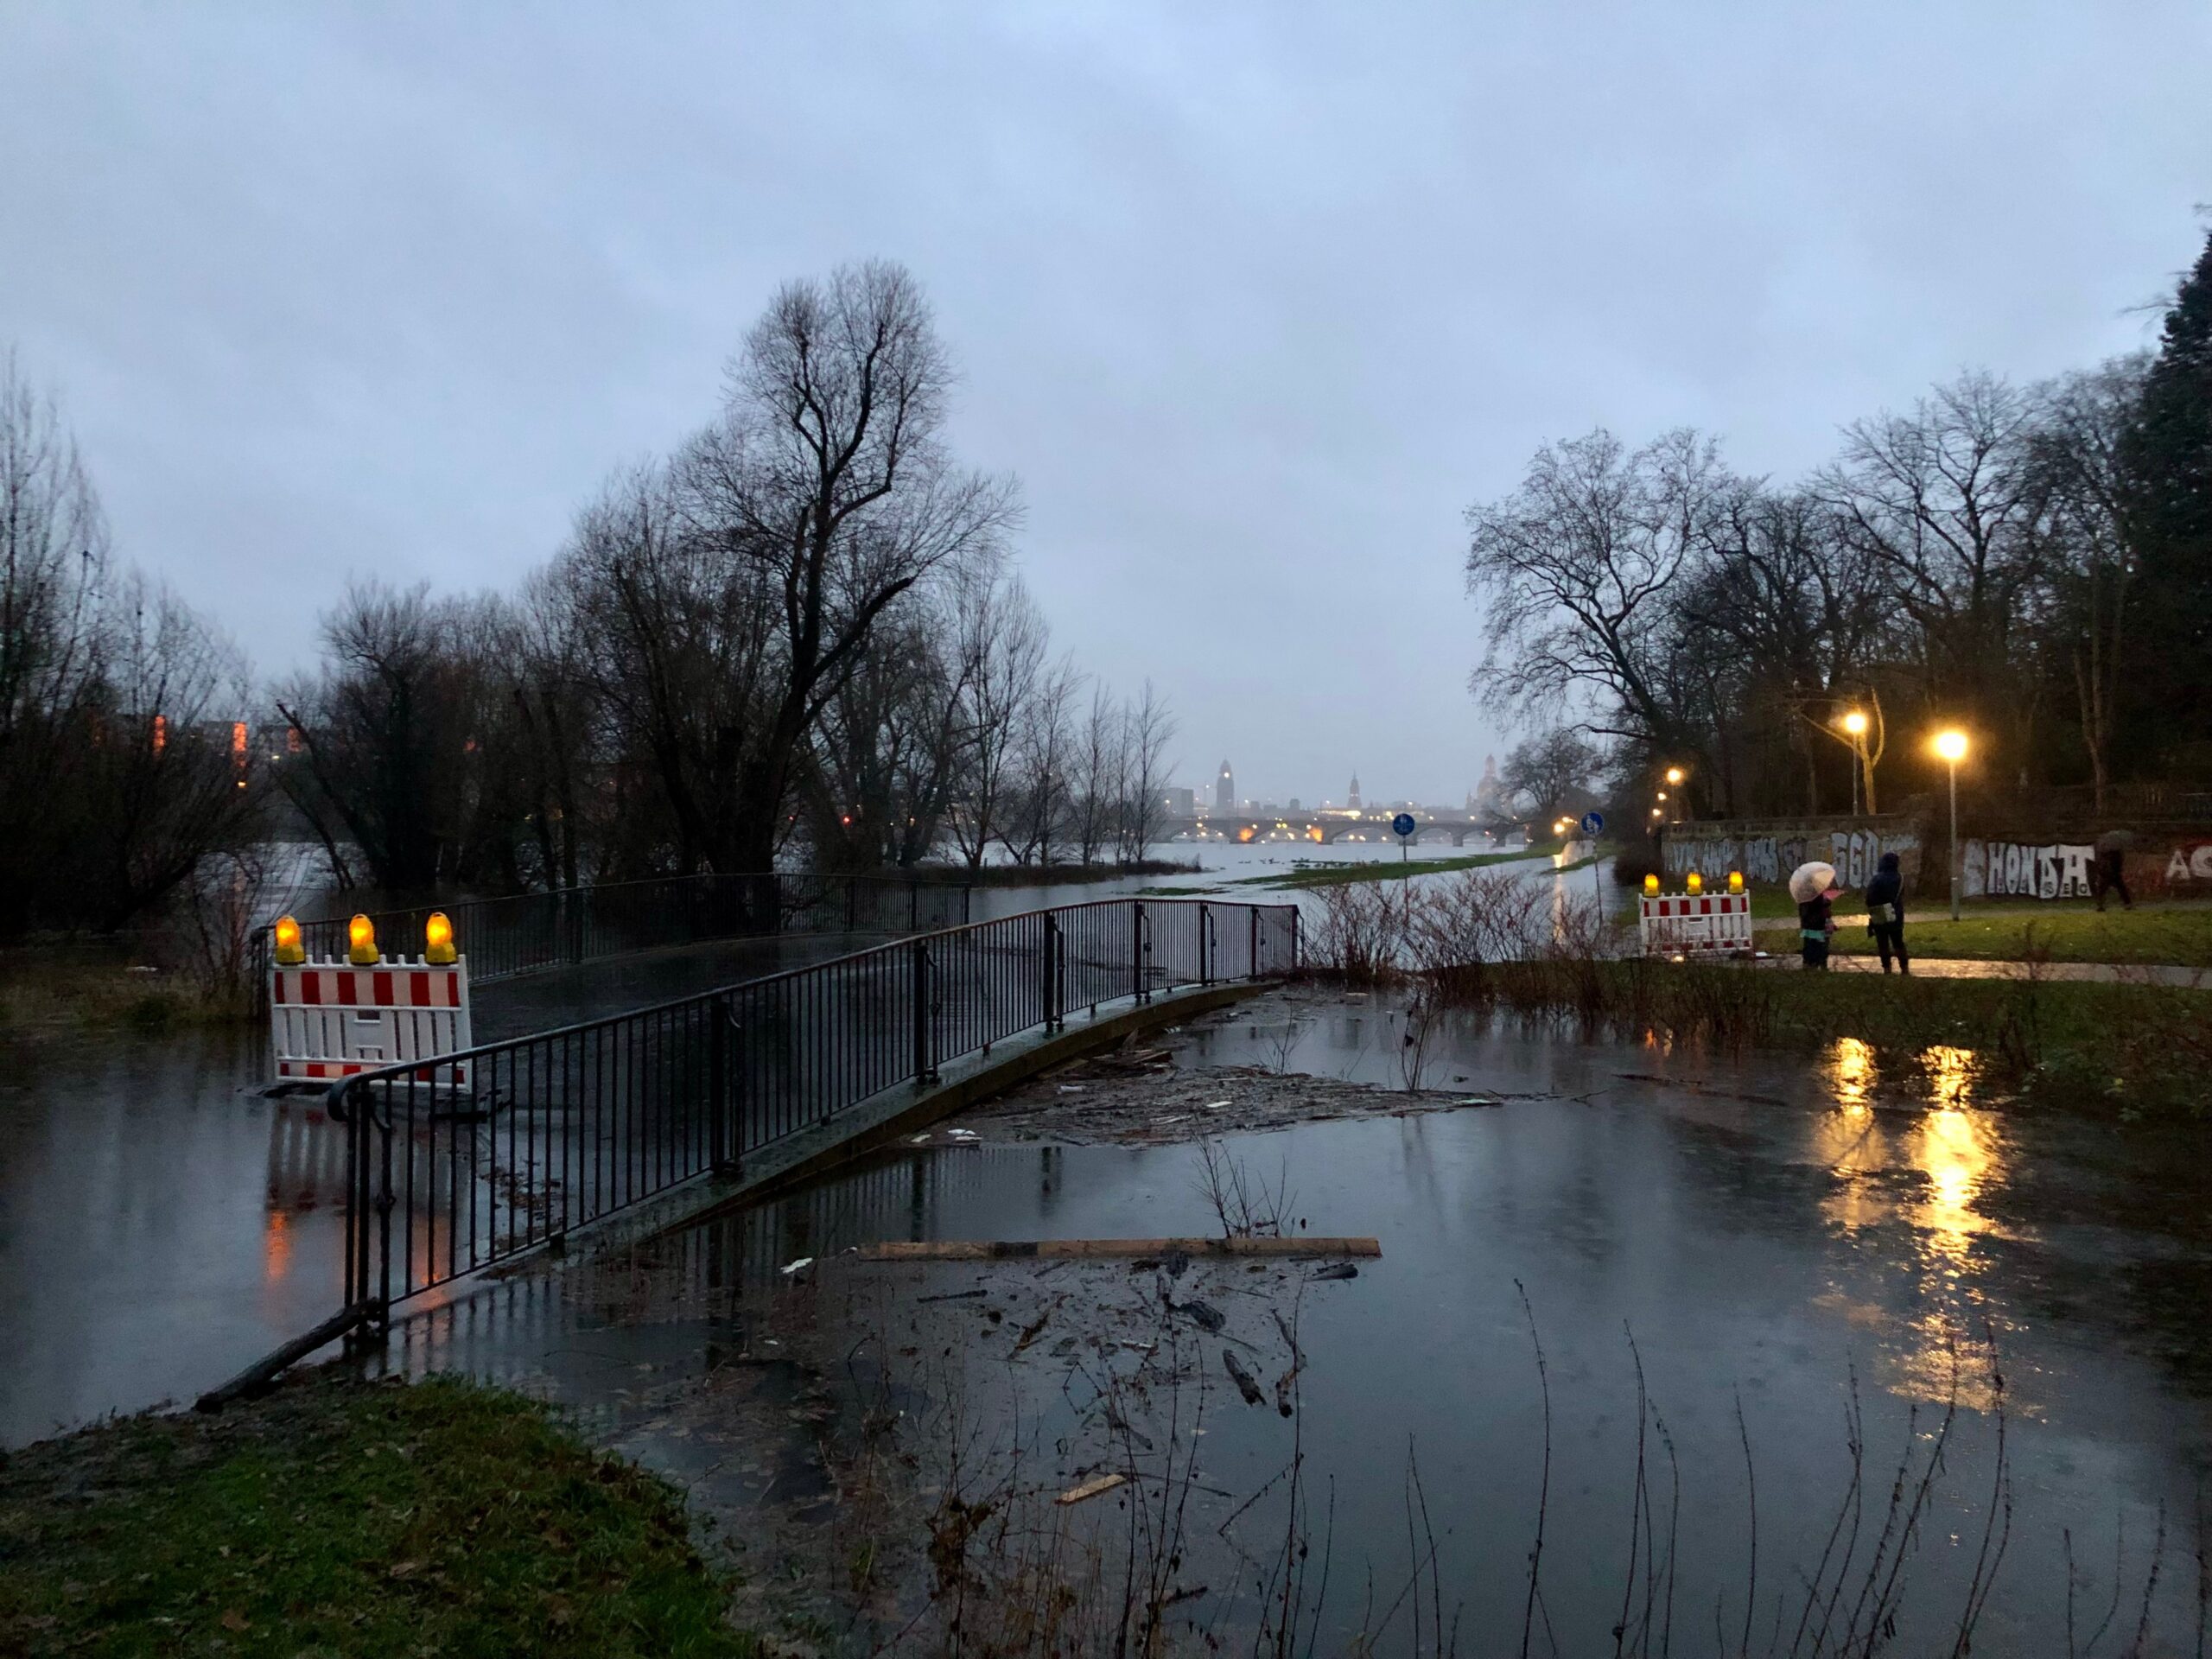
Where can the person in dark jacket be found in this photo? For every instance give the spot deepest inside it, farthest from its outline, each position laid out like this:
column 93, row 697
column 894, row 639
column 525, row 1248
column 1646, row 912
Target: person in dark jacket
column 2110, row 874
column 1885, row 913
column 1815, row 922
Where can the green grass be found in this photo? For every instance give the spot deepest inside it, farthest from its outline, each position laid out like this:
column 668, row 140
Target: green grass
column 1337, row 875
column 339, row 1517
column 2059, row 932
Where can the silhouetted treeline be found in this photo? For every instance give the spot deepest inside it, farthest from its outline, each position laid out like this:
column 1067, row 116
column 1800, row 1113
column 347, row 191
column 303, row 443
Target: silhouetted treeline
column 122, row 757
column 2034, row 563
column 798, row 638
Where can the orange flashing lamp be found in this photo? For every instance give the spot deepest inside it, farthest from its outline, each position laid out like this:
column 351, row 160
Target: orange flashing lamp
column 361, row 942
column 1735, row 881
column 437, row 940
column 1651, row 886
column 291, row 950
column 1694, row 884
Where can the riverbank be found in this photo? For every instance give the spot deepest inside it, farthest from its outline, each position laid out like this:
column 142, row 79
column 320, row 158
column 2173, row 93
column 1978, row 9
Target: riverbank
column 70, row 985
column 342, row 1516
column 1337, row 876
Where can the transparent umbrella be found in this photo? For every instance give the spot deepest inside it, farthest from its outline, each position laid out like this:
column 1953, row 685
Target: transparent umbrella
column 1808, row 881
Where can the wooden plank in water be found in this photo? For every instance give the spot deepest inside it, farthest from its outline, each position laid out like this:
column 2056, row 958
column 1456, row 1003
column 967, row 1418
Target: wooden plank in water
column 961, row 1250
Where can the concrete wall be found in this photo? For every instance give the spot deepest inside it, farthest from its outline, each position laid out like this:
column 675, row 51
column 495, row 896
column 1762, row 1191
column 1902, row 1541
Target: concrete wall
column 2180, row 867
column 1769, row 850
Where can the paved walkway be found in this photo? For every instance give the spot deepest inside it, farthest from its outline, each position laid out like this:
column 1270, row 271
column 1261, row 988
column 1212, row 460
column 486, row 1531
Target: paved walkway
column 2104, row 973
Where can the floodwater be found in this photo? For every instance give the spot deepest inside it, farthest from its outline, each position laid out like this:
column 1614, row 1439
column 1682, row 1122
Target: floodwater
column 163, row 1223
column 1798, row 1244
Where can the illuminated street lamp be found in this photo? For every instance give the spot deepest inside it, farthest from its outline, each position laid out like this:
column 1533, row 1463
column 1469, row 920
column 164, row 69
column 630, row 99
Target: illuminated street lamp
column 1854, row 724
column 1951, row 746
column 1674, row 774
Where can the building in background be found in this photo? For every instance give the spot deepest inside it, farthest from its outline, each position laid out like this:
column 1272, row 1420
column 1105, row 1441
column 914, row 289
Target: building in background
column 1352, row 799
column 1489, row 793
column 1180, row 803
column 1224, row 789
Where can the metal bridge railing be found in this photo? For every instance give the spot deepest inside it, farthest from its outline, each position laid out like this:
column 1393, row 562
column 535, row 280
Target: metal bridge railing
column 554, row 1131
column 522, row 933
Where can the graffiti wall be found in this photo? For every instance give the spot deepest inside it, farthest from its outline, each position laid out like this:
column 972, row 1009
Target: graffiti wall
column 1770, row 853
column 2005, row 869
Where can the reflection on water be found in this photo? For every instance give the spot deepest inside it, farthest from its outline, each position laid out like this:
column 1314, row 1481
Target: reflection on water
column 1954, row 1150
column 1926, row 1167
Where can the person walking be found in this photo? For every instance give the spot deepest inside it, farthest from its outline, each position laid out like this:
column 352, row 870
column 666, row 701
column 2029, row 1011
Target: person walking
column 1885, row 913
column 2111, row 874
column 1815, row 923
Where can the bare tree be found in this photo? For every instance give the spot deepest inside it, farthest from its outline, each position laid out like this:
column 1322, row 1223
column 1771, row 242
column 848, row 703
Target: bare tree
column 827, row 476
column 1038, row 798
column 172, row 784
column 1938, row 498
column 1544, row 773
column 1149, row 726
column 54, row 564
column 2079, row 514
column 683, row 635
column 394, row 737
column 1095, row 780
column 1001, row 640
column 1575, row 569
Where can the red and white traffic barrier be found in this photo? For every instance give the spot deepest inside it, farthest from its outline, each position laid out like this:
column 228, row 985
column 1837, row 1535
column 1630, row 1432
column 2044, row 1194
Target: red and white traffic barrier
column 332, row 1019
column 1695, row 923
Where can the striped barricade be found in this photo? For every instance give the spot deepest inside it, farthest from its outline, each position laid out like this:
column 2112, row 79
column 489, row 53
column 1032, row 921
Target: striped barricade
column 1682, row 924
column 330, row 1019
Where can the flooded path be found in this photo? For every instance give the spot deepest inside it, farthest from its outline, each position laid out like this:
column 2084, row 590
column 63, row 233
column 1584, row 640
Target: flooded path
column 1807, row 1242
column 163, row 1223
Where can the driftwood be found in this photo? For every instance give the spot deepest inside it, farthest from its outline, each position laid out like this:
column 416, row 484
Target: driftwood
column 959, row 1249
column 1247, row 1385
column 1091, row 1488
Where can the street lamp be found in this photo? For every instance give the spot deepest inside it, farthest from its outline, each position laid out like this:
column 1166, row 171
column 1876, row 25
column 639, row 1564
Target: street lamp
column 1951, row 746
column 1855, row 724
column 1674, row 774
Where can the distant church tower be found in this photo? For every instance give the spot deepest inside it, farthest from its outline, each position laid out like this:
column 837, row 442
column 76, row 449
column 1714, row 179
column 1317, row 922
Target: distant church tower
column 1224, row 789
column 1352, row 800
column 1489, row 794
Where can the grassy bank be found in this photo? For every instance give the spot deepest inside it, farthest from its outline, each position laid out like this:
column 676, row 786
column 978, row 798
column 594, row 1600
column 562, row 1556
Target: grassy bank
column 1337, row 876
column 2180, row 934
column 66, row 987
column 2131, row 1049
column 340, row 1517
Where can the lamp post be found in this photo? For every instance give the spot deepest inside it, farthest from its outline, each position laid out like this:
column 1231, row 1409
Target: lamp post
column 1855, row 724
column 1951, row 746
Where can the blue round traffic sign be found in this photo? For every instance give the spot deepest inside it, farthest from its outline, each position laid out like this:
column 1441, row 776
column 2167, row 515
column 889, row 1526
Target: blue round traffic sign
column 1592, row 822
column 1403, row 824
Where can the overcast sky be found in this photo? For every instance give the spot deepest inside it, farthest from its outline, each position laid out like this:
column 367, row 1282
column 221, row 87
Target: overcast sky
column 1255, row 299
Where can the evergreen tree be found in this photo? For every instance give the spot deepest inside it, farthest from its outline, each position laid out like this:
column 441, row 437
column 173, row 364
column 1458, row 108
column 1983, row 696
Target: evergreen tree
column 2167, row 461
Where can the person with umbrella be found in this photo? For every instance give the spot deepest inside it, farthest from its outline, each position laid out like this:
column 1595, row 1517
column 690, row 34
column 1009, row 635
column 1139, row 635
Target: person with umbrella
column 1813, row 887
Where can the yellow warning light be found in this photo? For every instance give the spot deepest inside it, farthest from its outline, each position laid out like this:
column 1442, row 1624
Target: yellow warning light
column 290, row 951
column 437, row 940
column 1735, row 881
column 1651, row 886
column 361, row 942
column 1694, row 883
